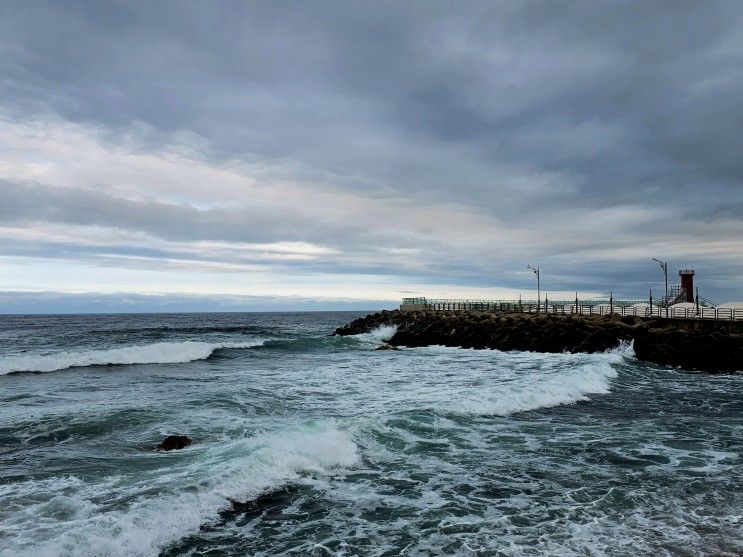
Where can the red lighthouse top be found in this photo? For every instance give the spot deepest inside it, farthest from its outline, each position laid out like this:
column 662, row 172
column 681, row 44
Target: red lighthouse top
column 687, row 283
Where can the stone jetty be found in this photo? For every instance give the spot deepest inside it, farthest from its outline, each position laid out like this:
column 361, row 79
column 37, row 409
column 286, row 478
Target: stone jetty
column 692, row 345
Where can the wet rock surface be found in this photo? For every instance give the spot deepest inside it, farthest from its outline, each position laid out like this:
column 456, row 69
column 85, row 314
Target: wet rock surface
column 675, row 343
column 174, row 443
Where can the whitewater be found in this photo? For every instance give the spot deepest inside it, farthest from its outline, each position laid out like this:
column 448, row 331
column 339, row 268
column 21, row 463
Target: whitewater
column 310, row 444
column 156, row 353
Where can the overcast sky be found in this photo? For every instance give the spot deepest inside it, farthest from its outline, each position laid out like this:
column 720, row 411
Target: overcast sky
column 272, row 155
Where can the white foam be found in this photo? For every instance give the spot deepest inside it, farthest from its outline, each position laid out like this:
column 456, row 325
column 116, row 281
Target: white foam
column 556, row 380
column 565, row 388
column 625, row 351
column 156, row 353
column 176, row 500
column 383, row 333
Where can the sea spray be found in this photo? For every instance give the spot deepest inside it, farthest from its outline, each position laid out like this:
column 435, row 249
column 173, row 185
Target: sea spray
column 373, row 338
column 383, row 333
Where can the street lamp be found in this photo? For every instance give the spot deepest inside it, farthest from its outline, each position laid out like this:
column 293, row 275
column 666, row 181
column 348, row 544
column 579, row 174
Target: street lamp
column 539, row 292
column 664, row 266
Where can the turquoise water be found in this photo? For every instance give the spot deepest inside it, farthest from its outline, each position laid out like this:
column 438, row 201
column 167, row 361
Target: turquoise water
column 314, row 445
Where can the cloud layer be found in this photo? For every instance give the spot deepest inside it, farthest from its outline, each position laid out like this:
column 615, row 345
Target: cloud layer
column 341, row 150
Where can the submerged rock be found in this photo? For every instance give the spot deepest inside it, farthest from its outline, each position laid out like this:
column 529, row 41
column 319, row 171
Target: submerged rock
column 386, row 347
column 174, row 442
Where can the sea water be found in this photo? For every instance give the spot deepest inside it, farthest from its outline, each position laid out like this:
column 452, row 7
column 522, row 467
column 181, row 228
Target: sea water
column 308, row 444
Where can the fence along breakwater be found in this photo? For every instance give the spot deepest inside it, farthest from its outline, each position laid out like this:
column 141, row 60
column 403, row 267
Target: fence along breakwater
column 709, row 346
column 634, row 308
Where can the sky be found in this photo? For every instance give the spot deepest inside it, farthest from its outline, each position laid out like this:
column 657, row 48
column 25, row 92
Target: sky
column 166, row 156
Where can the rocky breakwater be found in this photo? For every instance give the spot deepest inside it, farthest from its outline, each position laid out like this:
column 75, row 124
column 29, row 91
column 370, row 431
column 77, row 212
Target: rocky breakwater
column 703, row 346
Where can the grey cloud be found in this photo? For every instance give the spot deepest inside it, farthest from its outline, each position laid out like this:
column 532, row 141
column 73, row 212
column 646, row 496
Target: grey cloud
column 524, row 111
column 35, row 202
column 354, row 248
column 300, row 81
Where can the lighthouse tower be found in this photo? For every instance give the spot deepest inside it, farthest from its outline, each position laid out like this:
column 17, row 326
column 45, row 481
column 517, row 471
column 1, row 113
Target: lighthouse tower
column 687, row 284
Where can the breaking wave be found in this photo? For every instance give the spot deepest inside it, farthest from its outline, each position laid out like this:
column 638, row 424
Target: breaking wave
column 184, row 497
column 566, row 388
column 156, row 353
column 567, row 384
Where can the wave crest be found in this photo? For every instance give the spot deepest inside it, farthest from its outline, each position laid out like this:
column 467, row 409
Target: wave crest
column 564, row 385
column 156, row 353
column 564, row 389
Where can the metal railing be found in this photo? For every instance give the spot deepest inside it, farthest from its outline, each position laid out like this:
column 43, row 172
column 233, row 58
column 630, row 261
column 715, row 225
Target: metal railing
column 633, row 308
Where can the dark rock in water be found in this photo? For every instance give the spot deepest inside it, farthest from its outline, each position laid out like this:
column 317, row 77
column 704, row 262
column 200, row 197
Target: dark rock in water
column 174, row 442
column 387, row 347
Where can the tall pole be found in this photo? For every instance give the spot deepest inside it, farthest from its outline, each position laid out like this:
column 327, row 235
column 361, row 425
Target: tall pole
column 539, row 291
column 664, row 266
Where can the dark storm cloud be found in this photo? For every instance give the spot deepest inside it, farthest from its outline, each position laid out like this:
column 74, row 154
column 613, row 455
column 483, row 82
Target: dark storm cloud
column 523, row 111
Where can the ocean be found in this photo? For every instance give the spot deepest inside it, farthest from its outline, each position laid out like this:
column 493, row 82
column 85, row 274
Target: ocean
column 307, row 444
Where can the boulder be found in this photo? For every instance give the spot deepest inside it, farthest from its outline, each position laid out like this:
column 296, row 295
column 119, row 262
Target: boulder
column 174, row 442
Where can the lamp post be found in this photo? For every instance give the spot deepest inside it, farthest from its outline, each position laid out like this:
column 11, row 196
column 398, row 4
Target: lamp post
column 664, row 266
column 539, row 292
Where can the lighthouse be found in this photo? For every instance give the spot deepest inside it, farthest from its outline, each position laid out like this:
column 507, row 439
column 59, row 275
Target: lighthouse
column 687, row 284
